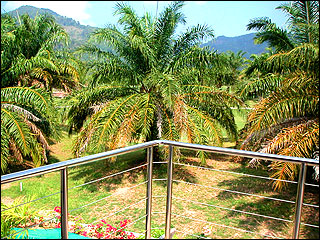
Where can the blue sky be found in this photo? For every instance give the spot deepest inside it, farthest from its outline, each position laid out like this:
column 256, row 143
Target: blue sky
column 228, row 18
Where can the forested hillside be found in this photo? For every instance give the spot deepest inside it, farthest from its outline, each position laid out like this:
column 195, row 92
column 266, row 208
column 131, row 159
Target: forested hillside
column 235, row 44
column 78, row 33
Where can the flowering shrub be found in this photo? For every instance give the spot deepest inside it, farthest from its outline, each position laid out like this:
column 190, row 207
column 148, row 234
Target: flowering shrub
column 100, row 230
column 106, row 231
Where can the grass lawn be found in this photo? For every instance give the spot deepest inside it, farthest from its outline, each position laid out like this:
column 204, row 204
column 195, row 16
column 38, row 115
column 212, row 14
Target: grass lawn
column 190, row 202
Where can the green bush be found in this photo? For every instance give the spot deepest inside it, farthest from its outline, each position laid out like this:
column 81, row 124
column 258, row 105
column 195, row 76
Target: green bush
column 20, row 216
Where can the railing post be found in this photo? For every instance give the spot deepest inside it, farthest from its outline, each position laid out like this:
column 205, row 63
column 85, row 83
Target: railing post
column 149, row 192
column 169, row 194
column 299, row 200
column 64, row 203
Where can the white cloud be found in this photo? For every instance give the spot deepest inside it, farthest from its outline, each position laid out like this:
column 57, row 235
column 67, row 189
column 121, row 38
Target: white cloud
column 72, row 9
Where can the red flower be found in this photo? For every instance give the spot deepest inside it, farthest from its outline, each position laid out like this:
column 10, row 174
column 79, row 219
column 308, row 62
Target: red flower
column 99, row 235
column 57, row 209
column 99, row 225
column 107, row 236
column 109, row 228
column 104, row 221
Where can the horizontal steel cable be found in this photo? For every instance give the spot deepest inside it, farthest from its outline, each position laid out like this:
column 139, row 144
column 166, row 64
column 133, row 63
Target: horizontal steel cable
column 309, row 225
column 159, row 179
column 106, row 197
column 227, row 190
column 25, row 229
column 221, row 225
column 313, row 185
column 112, row 175
column 306, row 224
column 159, row 162
column 30, row 201
column 249, row 194
column 234, row 210
column 122, row 209
column 243, row 174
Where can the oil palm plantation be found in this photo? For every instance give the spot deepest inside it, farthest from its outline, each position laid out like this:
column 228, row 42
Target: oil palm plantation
column 30, row 67
column 286, row 119
column 150, row 84
column 29, row 53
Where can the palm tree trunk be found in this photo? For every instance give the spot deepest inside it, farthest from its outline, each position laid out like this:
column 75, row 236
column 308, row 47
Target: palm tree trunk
column 154, row 136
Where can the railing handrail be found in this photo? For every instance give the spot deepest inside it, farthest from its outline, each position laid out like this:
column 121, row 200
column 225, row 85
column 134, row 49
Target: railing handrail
column 91, row 158
column 73, row 162
column 242, row 153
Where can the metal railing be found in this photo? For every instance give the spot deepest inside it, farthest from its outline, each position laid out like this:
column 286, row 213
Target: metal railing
column 63, row 167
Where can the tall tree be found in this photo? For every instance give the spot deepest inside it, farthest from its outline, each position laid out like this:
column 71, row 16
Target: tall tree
column 150, row 84
column 286, row 119
column 30, row 67
column 29, row 53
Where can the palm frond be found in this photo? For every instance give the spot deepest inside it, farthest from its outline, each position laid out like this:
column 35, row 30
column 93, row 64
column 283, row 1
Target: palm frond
column 302, row 16
column 261, row 86
column 283, row 104
column 192, row 37
column 269, row 32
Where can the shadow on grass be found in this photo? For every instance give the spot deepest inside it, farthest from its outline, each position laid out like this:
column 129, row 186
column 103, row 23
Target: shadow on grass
column 267, row 207
column 102, row 168
column 261, row 206
column 52, row 159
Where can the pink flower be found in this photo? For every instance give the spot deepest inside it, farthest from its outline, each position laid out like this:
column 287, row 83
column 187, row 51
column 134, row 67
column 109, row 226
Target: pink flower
column 109, row 228
column 99, row 225
column 57, row 209
column 108, row 236
column 104, row 221
column 131, row 236
column 99, row 235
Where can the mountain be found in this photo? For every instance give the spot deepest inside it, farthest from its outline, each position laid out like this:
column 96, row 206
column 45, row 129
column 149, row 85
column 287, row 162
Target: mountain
column 78, row 33
column 235, row 44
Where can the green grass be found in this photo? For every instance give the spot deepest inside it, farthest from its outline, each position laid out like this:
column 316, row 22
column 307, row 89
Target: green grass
column 49, row 183
column 125, row 195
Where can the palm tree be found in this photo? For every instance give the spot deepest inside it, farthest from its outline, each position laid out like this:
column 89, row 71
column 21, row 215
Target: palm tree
column 26, row 123
column 228, row 70
column 285, row 120
column 303, row 19
column 29, row 61
column 150, row 84
column 29, row 53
